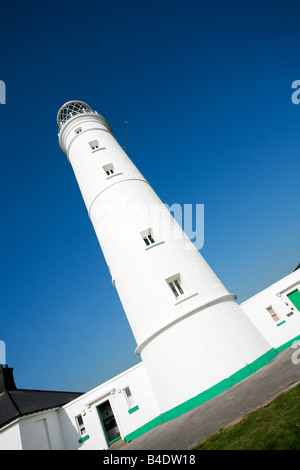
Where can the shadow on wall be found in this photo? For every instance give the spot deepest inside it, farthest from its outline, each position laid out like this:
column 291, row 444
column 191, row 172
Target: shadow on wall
column 70, row 434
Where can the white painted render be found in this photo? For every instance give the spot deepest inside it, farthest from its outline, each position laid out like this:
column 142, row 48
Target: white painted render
column 122, row 206
column 37, row 431
column 42, row 431
column 29, row 432
column 187, row 344
column 10, row 437
column 287, row 327
column 112, row 390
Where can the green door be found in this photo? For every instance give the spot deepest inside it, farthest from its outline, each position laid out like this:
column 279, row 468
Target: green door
column 295, row 298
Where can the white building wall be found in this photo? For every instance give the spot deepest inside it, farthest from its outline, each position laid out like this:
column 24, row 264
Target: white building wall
column 287, row 327
column 112, row 390
column 10, row 437
column 122, row 206
column 220, row 354
column 41, row 431
column 56, row 429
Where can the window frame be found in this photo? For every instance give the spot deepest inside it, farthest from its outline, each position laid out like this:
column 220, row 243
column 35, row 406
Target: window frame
column 129, row 398
column 180, row 290
column 109, row 169
column 94, row 145
column 176, row 288
column 80, row 427
column 274, row 314
column 150, row 239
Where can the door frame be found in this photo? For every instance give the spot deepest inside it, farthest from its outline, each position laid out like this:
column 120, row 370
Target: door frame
column 102, row 424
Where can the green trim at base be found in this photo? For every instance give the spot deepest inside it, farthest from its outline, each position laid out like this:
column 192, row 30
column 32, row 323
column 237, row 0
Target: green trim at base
column 206, row 395
column 114, row 440
column 288, row 344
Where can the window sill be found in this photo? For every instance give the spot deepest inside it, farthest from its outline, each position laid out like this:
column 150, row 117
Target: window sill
column 132, row 410
column 184, row 297
column 97, row 150
column 154, row 244
column 84, row 438
column 115, row 174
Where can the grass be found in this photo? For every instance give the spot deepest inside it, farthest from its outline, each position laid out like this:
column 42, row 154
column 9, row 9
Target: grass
column 276, row 426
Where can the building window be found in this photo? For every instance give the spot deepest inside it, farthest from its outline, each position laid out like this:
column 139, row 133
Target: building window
column 80, row 425
column 175, row 285
column 273, row 314
column 94, row 144
column 78, row 130
column 109, row 169
column 129, row 397
column 148, row 237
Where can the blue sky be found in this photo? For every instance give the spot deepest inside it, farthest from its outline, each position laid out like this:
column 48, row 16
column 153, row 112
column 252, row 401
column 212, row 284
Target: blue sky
column 206, row 87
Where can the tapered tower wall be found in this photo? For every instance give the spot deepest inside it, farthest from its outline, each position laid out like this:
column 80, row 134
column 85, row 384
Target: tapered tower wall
column 189, row 341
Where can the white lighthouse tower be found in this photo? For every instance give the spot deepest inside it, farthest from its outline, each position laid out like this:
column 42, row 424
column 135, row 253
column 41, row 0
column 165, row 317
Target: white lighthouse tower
column 190, row 332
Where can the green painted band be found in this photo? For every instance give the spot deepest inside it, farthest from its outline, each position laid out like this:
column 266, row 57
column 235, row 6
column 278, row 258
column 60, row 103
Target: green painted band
column 114, row 440
column 84, row 438
column 206, row 395
column 288, row 344
column 281, row 323
column 132, row 410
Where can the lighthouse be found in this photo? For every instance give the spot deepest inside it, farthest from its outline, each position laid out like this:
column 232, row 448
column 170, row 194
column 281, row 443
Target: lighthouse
column 189, row 329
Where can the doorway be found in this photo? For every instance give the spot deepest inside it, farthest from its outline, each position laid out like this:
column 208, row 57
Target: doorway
column 108, row 422
column 295, row 298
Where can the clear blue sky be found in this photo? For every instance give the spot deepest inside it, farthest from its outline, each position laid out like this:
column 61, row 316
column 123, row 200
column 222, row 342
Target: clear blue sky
column 206, row 87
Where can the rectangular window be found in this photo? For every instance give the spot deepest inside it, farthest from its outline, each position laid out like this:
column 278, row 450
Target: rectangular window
column 80, row 425
column 273, row 314
column 175, row 285
column 147, row 236
column 109, row 169
column 94, row 144
column 129, row 397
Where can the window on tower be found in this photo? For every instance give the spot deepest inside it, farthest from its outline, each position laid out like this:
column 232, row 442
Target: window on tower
column 148, row 237
column 176, row 288
column 78, row 130
column 175, row 285
column 94, row 144
column 109, row 169
column 150, row 240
